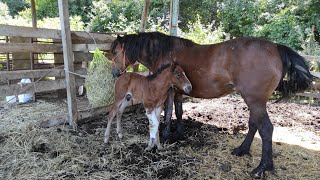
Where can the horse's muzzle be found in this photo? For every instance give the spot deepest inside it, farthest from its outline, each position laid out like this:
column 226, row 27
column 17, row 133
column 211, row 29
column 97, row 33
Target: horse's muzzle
column 187, row 89
column 115, row 73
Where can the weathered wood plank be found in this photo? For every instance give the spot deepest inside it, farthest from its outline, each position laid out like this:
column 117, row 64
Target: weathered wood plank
column 77, row 36
column 41, row 86
column 68, row 62
column 30, row 47
column 313, row 95
column 316, row 74
column 38, row 73
column 56, row 48
column 311, row 58
column 91, row 47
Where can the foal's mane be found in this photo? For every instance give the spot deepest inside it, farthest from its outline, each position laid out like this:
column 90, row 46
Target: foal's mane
column 159, row 71
column 148, row 46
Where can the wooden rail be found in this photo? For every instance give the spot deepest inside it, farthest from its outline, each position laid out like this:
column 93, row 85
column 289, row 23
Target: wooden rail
column 76, row 36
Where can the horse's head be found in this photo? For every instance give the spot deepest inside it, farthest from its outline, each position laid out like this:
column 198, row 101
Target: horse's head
column 180, row 79
column 119, row 60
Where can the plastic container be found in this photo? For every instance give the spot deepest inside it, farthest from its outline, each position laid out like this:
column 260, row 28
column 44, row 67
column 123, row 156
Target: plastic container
column 25, row 97
column 11, row 99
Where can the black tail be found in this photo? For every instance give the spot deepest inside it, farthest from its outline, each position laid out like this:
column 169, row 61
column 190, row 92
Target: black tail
column 296, row 76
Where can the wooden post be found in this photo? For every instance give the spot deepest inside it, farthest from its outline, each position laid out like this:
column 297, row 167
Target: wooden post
column 174, row 12
column 143, row 24
column 68, row 62
column 144, row 16
column 8, row 59
column 34, row 25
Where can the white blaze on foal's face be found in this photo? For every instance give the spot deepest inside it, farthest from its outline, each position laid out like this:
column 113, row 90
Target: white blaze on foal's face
column 153, row 124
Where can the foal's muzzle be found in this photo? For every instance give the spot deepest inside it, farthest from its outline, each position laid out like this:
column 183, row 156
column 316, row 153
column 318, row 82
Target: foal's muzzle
column 115, row 73
column 187, row 89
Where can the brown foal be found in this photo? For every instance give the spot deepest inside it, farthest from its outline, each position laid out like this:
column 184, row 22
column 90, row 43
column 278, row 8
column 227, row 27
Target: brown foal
column 152, row 92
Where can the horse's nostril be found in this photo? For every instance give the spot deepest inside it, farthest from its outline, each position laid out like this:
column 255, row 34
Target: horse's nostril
column 115, row 73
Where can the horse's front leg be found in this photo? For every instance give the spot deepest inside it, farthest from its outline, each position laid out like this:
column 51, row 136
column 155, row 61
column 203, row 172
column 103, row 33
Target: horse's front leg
column 168, row 106
column 178, row 109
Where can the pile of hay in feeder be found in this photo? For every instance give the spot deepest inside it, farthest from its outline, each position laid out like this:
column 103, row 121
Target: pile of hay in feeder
column 99, row 81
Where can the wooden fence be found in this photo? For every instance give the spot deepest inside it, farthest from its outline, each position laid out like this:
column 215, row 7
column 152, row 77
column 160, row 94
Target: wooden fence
column 82, row 43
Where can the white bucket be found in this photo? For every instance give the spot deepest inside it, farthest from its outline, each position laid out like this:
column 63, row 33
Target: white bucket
column 11, row 99
column 25, row 97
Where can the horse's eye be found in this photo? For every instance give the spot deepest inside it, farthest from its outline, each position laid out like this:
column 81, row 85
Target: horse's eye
column 178, row 75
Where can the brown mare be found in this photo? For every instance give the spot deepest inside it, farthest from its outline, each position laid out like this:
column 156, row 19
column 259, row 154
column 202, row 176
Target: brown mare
column 152, row 92
column 253, row 67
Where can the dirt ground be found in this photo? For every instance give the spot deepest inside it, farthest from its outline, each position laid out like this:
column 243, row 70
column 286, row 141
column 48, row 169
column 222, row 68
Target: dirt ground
column 213, row 128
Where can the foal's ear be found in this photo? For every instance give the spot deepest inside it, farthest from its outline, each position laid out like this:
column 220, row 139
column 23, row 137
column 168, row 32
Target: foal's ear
column 119, row 38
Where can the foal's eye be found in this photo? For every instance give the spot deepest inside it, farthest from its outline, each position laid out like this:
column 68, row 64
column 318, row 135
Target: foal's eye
column 178, row 75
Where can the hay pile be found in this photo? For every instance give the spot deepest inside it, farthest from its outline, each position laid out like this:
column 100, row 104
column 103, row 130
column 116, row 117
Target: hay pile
column 99, row 81
column 29, row 152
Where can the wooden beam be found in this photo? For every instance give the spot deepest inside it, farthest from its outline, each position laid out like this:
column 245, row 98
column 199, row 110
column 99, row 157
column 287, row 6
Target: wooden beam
column 38, row 73
column 316, row 74
column 174, row 12
column 68, row 62
column 144, row 16
column 41, row 86
column 30, row 47
column 77, row 36
column 311, row 58
column 91, row 47
column 40, row 48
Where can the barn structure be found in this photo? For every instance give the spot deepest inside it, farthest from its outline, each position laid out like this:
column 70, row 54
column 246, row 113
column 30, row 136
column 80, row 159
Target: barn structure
column 70, row 51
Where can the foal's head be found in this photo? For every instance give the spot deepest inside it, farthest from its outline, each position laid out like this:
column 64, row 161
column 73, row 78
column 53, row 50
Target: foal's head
column 180, row 79
column 175, row 75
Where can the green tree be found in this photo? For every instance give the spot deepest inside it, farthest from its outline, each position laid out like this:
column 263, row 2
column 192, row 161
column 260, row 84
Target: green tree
column 15, row 6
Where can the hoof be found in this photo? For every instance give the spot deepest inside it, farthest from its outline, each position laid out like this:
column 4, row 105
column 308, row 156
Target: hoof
column 159, row 147
column 148, row 148
column 240, row 152
column 259, row 172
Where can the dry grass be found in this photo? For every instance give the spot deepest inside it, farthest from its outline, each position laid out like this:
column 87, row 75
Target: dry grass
column 29, row 152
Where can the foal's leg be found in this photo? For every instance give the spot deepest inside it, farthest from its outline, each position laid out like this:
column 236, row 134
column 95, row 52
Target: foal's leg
column 178, row 109
column 153, row 128
column 122, row 107
column 158, row 112
column 112, row 114
column 168, row 105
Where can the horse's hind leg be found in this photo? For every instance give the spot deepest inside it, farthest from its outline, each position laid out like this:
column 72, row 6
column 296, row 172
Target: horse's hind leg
column 259, row 120
column 244, row 148
column 122, row 107
column 265, row 129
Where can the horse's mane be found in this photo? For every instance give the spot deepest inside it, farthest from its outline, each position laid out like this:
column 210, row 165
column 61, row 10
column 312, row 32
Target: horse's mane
column 158, row 71
column 148, row 46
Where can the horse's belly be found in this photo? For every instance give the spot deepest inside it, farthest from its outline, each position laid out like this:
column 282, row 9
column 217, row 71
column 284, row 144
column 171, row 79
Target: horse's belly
column 211, row 86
